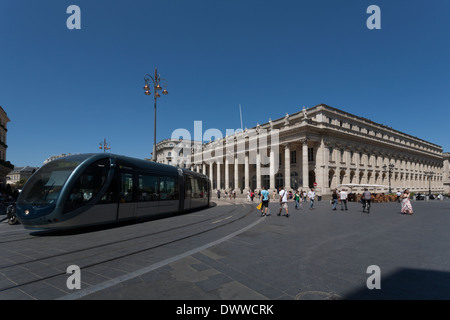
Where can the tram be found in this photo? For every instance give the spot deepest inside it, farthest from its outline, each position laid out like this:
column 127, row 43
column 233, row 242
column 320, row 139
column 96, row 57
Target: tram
column 93, row 189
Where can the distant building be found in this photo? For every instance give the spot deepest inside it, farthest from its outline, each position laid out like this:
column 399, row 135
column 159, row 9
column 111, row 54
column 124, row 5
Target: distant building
column 5, row 166
column 20, row 173
column 170, row 151
column 446, row 172
column 325, row 148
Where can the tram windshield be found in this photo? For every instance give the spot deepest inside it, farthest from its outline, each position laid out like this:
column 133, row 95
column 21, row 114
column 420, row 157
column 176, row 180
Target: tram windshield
column 44, row 186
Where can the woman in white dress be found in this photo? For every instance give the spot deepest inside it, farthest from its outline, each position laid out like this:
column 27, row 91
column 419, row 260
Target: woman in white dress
column 406, row 204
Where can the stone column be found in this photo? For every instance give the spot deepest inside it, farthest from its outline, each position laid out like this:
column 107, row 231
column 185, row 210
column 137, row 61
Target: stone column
column 305, row 167
column 218, row 175
column 287, row 167
column 272, row 169
column 227, row 174
column 247, row 173
column 236, row 173
column 321, row 176
column 258, row 171
column 211, row 173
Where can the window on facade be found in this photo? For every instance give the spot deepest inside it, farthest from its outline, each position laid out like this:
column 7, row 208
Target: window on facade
column 330, row 153
column 310, row 154
column 293, row 157
column 294, row 180
column 342, row 155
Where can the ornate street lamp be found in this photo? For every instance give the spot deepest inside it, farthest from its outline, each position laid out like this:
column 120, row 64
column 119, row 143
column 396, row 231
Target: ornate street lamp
column 104, row 145
column 429, row 175
column 155, row 80
column 389, row 168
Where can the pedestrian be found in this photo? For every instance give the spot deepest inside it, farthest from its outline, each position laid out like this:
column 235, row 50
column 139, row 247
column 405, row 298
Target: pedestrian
column 298, row 200
column 248, row 195
column 399, row 196
column 283, row 201
column 265, row 196
column 334, row 200
column 406, row 204
column 274, row 193
column 252, row 195
column 311, row 196
column 218, row 193
column 343, row 195
column 366, row 198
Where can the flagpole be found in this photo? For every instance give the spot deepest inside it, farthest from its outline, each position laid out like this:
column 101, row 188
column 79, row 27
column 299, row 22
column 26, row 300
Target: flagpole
column 240, row 112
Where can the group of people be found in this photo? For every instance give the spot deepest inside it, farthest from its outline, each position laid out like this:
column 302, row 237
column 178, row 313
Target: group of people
column 299, row 197
column 366, row 198
column 342, row 196
column 232, row 194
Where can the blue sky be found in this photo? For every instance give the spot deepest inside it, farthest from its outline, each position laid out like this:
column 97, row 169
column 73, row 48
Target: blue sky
column 66, row 90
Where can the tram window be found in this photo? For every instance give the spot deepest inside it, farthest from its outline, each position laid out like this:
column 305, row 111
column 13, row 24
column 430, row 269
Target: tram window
column 202, row 188
column 126, row 187
column 188, row 188
column 195, row 188
column 168, row 188
column 148, row 188
column 88, row 185
column 110, row 195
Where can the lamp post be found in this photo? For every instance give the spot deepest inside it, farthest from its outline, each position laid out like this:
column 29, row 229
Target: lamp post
column 156, row 87
column 429, row 175
column 389, row 168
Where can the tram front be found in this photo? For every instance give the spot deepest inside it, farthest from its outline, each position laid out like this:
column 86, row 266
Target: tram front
column 43, row 202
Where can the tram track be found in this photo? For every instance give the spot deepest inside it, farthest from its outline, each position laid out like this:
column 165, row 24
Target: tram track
column 32, row 235
column 218, row 221
column 110, row 243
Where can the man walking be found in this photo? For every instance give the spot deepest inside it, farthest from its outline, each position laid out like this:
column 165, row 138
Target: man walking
column 343, row 195
column 283, row 202
column 265, row 201
column 311, row 196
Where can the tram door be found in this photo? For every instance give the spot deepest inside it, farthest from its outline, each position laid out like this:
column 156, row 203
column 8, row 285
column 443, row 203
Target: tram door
column 127, row 206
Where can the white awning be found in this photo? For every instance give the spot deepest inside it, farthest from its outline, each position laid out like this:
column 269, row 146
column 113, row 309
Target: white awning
column 368, row 186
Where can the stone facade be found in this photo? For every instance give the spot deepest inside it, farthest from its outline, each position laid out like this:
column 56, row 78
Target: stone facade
column 20, row 173
column 326, row 148
column 446, row 172
column 5, row 166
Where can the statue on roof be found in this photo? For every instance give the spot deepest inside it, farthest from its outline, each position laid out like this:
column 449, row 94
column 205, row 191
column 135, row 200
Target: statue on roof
column 286, row 119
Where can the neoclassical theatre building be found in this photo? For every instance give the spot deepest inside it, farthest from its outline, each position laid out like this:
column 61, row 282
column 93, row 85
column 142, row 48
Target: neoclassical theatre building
column 325, row 148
